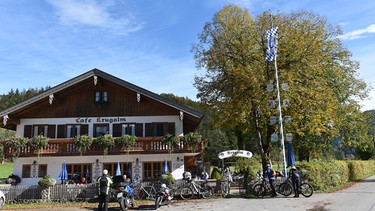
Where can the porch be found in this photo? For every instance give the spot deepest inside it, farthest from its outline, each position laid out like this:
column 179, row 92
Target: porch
column 66, row 147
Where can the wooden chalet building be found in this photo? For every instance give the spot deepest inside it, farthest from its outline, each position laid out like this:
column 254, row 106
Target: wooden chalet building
column 95, row 103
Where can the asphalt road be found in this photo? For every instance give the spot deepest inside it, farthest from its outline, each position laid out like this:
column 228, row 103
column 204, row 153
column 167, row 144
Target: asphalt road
column 358, row 197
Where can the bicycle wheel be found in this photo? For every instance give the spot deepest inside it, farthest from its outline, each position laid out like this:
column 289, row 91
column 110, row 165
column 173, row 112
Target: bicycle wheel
column 186, row 192
column 207, row 192
column 224, row 189
column 306, row 189
column 150, row 192
column 285, row 189
column 259, row 190
column 139, row 193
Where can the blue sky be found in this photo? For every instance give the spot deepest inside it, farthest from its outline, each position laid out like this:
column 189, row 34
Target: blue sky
column 147, row 43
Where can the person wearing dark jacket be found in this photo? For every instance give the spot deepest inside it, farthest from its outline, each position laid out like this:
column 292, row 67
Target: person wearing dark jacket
column 295, row 174
column 271, row 178
column 104, row 184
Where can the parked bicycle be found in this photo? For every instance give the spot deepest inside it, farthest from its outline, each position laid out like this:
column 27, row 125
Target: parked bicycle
column 191, row 188
column 263, row 188
column 225, row 188
column 286, row 188
column 146, row 192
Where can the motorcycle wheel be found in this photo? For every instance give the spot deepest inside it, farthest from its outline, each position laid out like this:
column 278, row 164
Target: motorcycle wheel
column 123, row 205
column 158, row 202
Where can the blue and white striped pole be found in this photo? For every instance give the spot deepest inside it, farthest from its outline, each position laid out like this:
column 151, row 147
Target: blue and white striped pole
column 271, row 55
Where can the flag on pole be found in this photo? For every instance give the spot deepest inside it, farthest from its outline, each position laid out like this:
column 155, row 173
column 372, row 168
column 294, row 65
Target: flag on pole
column 271, row 37
column 118, row 170
column 165, row 166
column 291, row 158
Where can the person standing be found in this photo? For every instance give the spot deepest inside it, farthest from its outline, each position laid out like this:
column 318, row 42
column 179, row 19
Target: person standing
column 296, row 180
column 104, row 184
column 271, row 178
column 228, row 177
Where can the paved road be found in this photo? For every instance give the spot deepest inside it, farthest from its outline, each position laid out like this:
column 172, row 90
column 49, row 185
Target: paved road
column 358, row 197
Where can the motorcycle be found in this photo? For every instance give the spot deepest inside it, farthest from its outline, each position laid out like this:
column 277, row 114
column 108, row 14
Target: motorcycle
column 163, row 196
column 123, row 193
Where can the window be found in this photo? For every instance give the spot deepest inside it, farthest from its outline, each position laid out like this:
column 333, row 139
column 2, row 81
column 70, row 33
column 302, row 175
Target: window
column 100, row 130
column 160, row 129
column 128, row 129
column 153, row 170
column 42, row 170
column 40, row 130
column 78, row 171
column 101, row 97
column 124, row 167
column 73, row 130
column 26, row 171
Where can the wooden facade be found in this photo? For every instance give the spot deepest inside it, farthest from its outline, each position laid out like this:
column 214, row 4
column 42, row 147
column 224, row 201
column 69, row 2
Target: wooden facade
column 95, row 103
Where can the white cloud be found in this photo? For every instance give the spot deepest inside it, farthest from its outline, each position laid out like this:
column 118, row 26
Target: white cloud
column 94, row 13
column 359, row 33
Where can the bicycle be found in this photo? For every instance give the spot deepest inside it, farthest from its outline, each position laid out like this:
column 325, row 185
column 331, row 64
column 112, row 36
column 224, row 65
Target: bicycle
column 286, row 188
column 225, row 188
column 264, row 188
column 191, row 187
column 146, row 192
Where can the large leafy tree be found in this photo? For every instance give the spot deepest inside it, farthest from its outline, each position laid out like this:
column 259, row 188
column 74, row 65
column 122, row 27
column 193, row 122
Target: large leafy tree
column 311, row 60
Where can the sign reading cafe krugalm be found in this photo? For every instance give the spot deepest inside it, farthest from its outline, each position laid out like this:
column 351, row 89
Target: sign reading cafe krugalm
column 235, row 153
column 100, row 120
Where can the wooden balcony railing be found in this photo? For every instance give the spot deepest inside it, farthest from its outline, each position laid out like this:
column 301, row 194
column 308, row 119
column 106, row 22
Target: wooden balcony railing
column 64, row 147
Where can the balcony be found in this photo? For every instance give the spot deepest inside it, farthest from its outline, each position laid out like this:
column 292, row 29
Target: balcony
column 66, row 147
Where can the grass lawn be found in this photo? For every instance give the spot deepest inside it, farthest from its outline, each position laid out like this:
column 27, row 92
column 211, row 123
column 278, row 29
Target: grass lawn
column 6, row 169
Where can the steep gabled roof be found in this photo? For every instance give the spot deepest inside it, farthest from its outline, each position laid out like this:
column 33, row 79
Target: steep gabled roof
column 100, row 74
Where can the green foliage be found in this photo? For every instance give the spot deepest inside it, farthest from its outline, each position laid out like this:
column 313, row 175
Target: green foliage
column 6, row 169
column 15, row 96
column 192, row 139
column 167, row 178
column 361, row 169
column 17, row 143
column 170, row 140
column 231, row 51
column 126, row 141
column 105, row 141
column 83, row 143
column 38, row 142
column 327, row 176
column 242, row 165
column 47, row 181
column 216, row 173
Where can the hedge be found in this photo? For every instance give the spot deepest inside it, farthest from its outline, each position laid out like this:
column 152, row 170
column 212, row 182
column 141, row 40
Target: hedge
column 326, row 176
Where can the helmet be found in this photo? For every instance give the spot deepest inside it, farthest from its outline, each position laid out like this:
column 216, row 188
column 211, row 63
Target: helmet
column 268, row 165
column 163, row 186
column 294, row 167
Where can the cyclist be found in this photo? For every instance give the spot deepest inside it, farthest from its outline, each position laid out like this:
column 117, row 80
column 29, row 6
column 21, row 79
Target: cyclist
column 294, row 173
column 104, row 183
column 271, row 177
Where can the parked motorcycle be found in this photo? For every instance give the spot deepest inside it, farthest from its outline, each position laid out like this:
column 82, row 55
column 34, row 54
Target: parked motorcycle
column 124, row 192
column 163, row 196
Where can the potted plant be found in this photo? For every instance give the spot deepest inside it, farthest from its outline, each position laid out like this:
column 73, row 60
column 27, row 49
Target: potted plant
column 83, row 143
column 126, row 141
column 38, row 142
column 105, row 141
column 17, row 143
column 45, row 185
column 193, row 140
column 170, row 140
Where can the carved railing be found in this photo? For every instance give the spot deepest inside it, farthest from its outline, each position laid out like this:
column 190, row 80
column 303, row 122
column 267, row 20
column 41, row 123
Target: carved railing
column 63, row 147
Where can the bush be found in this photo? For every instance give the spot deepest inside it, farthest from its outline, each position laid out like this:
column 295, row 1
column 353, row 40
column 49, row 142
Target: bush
column 167, row 178
column 47, row 181
column 216, row 173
